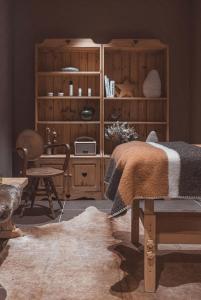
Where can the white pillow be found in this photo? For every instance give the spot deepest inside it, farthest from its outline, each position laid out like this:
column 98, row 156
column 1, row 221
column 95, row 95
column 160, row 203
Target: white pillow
column 152, row 137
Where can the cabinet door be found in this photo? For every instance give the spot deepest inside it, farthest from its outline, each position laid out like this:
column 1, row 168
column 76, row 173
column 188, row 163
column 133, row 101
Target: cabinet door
column 86, row 175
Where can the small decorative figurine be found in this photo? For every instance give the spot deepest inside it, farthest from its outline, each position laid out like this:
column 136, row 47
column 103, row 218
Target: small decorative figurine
column 48, row 140
column 87, row 113
column 115, row 115
column 125, row 89
column 54, row 136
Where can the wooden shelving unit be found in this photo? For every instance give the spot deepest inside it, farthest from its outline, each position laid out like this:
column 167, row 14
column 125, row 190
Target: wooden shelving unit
column 119, row 60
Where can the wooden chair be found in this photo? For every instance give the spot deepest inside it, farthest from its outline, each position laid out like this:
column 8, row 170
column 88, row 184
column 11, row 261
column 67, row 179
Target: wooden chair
column 30, row 147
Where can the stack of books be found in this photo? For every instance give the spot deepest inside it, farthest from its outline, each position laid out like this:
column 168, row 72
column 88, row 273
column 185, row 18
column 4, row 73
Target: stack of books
column 109, row 87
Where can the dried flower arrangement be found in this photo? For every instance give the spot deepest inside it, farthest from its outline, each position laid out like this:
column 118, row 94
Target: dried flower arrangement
column 120, row 133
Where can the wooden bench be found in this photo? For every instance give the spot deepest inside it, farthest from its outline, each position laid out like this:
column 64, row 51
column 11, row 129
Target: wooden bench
column 8, row 229
column 165, row 222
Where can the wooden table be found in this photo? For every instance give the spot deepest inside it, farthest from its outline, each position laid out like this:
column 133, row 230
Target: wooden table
column 8, row 229
column 168, row 226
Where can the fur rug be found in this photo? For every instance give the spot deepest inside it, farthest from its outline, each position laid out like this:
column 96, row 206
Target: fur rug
column 90, row 258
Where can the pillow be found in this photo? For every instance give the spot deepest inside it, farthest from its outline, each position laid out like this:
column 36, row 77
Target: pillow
column 152, row 137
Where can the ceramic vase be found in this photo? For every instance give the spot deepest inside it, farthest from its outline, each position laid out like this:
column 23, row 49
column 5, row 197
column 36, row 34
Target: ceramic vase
column 152, row 85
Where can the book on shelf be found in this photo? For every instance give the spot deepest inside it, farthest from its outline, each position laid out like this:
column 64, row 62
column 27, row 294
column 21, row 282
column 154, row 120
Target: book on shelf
column 109, row 87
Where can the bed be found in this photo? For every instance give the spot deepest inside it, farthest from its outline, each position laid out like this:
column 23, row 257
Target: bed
column 145, row 173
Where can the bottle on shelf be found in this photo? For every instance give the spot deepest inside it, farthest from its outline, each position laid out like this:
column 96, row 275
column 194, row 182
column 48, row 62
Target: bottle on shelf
column 71, row 88
column 89, row 92
column 80, row 92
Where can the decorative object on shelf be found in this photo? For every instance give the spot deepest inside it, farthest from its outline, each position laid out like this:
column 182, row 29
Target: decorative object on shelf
column 115, row 115
column 54, row 136
column 109, row 87
column 70, row 88
column 85, row 146
column 152, row 85
column 70, row 69
column 125, row 89
column 60, row 94
column 89, row 92
column 50, row 94
column 87, row 113
column 152, row 137
column 120, row 133
column 48, row 140
column 80, row 92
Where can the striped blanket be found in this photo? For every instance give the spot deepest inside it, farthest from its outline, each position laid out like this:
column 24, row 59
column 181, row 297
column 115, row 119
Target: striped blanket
column 139, row 170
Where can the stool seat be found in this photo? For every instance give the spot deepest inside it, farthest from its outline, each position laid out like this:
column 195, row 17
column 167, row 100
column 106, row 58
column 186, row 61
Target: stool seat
column 43, row 172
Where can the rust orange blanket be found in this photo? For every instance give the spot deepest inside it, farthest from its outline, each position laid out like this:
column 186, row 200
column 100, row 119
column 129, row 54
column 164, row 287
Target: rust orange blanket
column 139, row 170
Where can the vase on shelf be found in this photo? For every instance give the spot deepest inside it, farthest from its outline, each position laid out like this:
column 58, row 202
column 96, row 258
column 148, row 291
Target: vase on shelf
column 152, row 85
column 87, row 113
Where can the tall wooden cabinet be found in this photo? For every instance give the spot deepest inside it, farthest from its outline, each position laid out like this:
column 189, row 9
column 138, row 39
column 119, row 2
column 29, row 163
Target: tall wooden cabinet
column 119, row 60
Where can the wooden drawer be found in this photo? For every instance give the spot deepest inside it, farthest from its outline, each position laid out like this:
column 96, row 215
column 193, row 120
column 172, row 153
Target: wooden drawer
column 86, row 174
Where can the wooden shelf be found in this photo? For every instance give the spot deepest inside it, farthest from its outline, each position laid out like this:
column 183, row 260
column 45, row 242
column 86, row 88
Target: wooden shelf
column 69, row 122
column 71, row 156
column 135, row 98
column 68, row 97
column 137, row 122
column 62, row 73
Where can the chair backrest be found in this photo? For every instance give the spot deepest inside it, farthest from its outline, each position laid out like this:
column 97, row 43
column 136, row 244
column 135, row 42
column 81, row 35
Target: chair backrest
column 32, row 141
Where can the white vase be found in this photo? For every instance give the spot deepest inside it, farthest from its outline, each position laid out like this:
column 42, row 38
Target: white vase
column 152, row 85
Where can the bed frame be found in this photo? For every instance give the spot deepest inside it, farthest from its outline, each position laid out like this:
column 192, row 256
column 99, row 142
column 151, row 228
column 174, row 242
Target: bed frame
column 162, row 227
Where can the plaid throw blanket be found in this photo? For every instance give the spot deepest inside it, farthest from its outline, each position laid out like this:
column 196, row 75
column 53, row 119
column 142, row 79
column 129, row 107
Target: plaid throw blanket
column 139, row 170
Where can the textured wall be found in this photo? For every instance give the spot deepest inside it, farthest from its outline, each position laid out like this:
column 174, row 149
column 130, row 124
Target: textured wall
column 103, row 20
column 196, row 73
column 5, row 87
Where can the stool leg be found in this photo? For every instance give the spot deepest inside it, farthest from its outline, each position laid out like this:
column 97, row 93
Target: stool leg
column 49, row 194
column 35, row 187
column 51, row 182
column 27, row 194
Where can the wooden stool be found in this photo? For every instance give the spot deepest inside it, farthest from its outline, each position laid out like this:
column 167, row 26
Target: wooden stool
column 30, row 147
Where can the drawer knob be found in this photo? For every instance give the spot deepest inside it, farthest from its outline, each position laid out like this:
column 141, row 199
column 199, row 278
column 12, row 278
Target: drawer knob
column 84, row 174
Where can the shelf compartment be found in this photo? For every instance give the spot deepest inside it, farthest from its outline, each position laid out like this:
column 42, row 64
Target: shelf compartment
column 138, row 122
column 72, row 156
column 68, row 132
column 135, row 98
column 55, row 58
column 63, row 73
column 134, row 66
column 66, row 110
column 68, row 97
column 135, row 111
column 69, row 122
column 59, row 84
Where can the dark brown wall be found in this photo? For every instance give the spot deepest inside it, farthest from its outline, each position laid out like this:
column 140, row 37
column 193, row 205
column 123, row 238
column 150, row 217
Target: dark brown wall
column 5, row 87
column 103, row 20
column 196, row 74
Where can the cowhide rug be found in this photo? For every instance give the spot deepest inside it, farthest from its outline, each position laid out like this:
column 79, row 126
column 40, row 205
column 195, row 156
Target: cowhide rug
column 90, row 258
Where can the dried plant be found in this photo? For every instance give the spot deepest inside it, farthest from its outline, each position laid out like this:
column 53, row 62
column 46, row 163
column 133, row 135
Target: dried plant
column 120, row 132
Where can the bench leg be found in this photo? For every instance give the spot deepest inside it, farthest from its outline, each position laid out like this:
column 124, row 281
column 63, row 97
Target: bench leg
column 135, row 222
column 149, row 247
